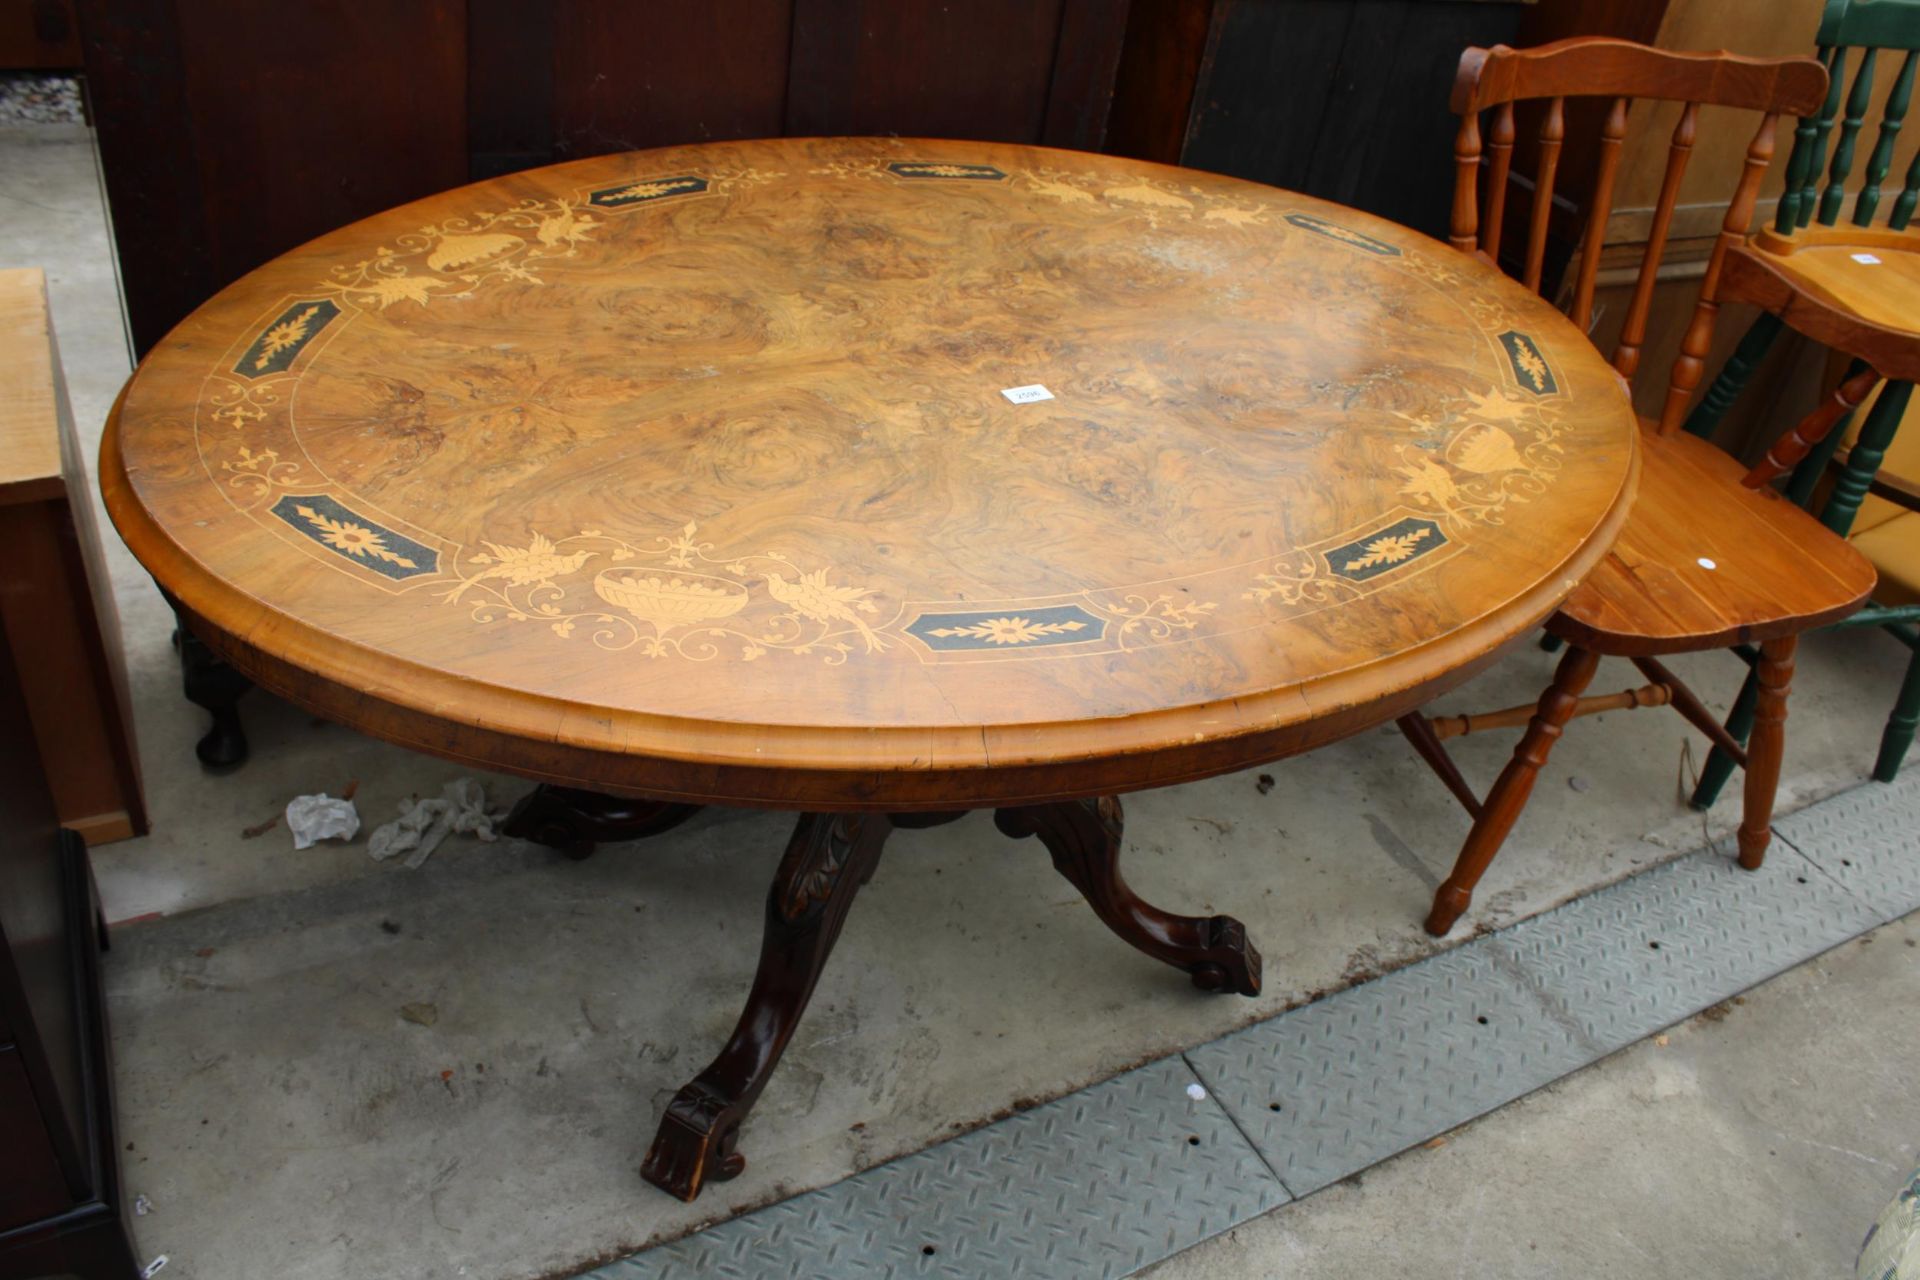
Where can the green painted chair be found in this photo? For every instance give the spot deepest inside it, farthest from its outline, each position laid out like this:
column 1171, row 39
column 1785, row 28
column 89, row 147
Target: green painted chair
column 1852, row 285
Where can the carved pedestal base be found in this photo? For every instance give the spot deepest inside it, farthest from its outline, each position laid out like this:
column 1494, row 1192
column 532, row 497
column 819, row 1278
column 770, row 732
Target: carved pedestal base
column 829, row 857
column 574, row 821
column 1084, row 838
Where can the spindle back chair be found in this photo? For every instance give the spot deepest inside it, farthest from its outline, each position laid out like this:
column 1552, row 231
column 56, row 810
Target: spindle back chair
column 1619, row 71
column 1850, row 285
column 1711, row 555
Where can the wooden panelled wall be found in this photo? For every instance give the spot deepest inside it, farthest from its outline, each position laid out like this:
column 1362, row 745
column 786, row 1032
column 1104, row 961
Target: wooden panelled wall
column 231, row 130
column 1343, row 99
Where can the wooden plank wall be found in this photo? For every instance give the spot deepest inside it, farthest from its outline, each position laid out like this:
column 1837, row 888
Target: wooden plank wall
column 1342, row 99
column 231, row 131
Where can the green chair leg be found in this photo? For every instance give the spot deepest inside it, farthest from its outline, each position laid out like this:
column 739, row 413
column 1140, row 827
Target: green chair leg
column 1713, row 406
column 1863, row 460
column 1551, row 644
column 1900, row 725
column 1800, row 484
column 1720, row 766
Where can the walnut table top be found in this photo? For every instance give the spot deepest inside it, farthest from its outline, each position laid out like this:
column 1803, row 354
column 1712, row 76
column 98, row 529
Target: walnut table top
column 857, row 474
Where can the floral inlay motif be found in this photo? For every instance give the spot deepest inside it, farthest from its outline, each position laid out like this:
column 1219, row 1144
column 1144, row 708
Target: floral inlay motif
column 285, row 337
column 1501, row 448
column 346, row 534
column 237, row 404
column 354, row 539
column 1390, row 549
column 1010, row 630
column 661, row 605
column 257, row 474
column 943, row 169
column 1157, row 617
column 1529, row 366
column 647, row 190
column 455, row 257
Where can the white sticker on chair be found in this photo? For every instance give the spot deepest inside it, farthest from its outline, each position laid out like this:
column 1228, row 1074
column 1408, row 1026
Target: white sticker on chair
column 1027, row 394
column 1705, row 563
column 1867, row 258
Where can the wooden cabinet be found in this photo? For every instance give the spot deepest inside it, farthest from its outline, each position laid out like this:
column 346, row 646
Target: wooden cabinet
column 56, row 600
column 60, row 1200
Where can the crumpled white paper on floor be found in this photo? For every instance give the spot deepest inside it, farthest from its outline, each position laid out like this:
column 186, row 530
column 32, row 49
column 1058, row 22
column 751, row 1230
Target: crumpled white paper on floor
column 321, row 817
column 461, row 806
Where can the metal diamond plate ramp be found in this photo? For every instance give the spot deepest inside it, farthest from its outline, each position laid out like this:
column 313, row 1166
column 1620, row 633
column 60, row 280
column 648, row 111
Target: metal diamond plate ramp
column 1330, row 1088
column 1653, row 949
column 1869, row 840
column 1100, row 1183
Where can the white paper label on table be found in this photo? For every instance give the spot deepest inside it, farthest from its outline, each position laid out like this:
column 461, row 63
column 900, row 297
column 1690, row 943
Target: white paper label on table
column 1028, row 394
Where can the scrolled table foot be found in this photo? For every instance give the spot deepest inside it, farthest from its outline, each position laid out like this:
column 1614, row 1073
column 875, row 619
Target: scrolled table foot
column 573, row 821
column 1237, row 966
column 1084, row 836
column 829, row 857
column 694, row 1145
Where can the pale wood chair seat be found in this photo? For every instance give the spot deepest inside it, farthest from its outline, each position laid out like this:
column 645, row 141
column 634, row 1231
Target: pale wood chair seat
column 1776, row 571
column 1815, row 284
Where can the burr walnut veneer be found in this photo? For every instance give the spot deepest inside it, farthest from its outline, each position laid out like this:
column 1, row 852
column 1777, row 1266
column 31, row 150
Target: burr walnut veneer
column 693, row 476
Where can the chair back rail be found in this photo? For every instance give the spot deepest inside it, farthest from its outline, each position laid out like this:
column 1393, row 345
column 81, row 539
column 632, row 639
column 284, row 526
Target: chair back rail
column 1622, row 71
column 1852, row 36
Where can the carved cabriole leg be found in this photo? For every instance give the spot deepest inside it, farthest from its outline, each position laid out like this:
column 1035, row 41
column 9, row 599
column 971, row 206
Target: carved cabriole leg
column 1084, row 838
column 1898, row 735
column 573, row 821
column 1509, row 795
column 827, row 860
column 1765, row 748
column 211, row 684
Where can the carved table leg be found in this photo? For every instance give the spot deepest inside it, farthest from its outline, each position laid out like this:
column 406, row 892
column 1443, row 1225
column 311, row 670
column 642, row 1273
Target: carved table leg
column 826, row 862
column 212, row 684
column 1084, row 838
column 574, row 821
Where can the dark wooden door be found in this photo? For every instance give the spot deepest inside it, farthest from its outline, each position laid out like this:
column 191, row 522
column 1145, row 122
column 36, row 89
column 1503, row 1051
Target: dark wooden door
column 231, row 131
column 1342, row 99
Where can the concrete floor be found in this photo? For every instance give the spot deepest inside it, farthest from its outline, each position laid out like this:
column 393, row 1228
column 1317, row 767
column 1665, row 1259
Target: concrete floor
column 1758, row 1139
column 288, row 1119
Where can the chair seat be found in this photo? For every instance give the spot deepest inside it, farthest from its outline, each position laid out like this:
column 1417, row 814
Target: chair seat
column 1704, row 562
column 1818, row 283
column 1894, row 548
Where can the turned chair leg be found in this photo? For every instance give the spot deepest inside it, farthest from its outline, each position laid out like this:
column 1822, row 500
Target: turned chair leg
column 1509, row 795
column 1765, row 748
column 1900, row 725
column 1720, row 766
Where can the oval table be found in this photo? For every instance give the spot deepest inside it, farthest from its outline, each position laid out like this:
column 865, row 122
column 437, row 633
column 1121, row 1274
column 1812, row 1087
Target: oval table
column 880, row 480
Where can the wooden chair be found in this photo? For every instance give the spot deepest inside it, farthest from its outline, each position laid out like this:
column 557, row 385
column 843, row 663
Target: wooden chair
column 1850, row 285
column 1887, row 531
column 1711, row 555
